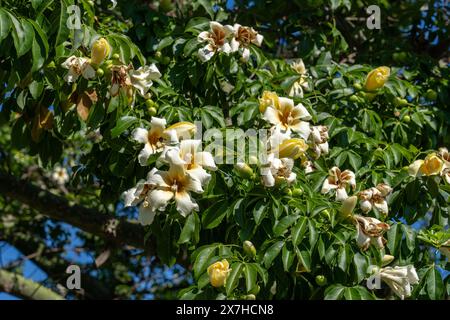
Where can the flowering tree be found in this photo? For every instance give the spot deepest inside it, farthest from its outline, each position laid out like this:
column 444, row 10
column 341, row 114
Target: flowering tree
column 262, row 150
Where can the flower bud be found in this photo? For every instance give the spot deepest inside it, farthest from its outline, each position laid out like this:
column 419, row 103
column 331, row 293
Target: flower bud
column 292, row 148
column 377, row 78
column 100, row 51
column 250, row 297
column 348, row 205
column 249, row 248
column 244, row 170
column 387, row 259
column 432, row 165
column 218, row 273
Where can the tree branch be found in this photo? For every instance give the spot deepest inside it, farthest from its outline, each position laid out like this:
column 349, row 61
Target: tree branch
column 25, row 288
column 117, row 231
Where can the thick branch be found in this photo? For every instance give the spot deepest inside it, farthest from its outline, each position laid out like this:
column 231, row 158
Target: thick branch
column 25, row 288
column 117, row 231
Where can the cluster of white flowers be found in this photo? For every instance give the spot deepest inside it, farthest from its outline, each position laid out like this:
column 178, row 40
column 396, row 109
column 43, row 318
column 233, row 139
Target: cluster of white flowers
column 186, row 173
column 291, row 135
column 227, row 39
column 301, row 84
column 123, row 77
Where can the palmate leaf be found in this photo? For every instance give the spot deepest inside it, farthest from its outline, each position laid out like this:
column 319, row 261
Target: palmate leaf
column 22, row 33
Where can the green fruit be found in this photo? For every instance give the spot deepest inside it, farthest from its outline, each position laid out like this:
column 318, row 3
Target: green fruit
column 407, row 119
column 353, row 98
column 396, row 57
column 321, row 280
column 165, row 60
column 431, row 95
column 288, row 191
column 149, row 103
column 297, row 192
column 249, row 248
column 400, row 102
column 100, row 72
column 158, row 55
column 51, row 65
column 152, row 111
column 116, row 56
column 357, row 86
column 166, row 5
column 403, row 56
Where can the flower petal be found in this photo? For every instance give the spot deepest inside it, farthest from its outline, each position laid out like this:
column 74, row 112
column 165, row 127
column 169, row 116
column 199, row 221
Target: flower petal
column 146, row 215
column 140, row 135
column 185, row 205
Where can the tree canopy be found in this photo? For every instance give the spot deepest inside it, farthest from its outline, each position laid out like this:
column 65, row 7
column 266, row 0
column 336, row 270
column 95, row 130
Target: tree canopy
column 213, row 149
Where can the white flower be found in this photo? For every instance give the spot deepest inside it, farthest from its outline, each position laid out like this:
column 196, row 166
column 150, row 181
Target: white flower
column 400, row 279
column 338, row 181
column 374, row 198
column 296, row 90
column 124, row 77
column 288, row 117
column 318, row 140
column 308, row 165
column 138, row 194
column 142, row 78
column 216, row 40
column 120, row 79
column 298, row 86
column 298, row 65
column 176, row 183
column 276, row 170
column 158, row 137
column 60, row 175
column 370, row 231
column 78, row 66
column 243, row 37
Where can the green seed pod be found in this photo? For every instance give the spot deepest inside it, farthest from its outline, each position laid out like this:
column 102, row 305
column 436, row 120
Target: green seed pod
column 321, row 280
column 249, row 248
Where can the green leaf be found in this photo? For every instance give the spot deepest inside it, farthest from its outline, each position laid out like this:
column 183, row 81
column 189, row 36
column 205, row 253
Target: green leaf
column 435, row 285
column 5, row 24
column 202, row 260
column 23, row 35
column 233, row 279
column 334, row 292
column 287, row 257
column 361, row 262
column 250, row 276
column 304, row 257
column 313, row 235
column 299, row 230
column 344, row 258
column 282, row 225
column 272, row 253
column 351, row 294
column 355, row 160
column 259, row 212
column 188, row 229
column 62, row 29
column 208, row 7
column 123, row 124
column 394, row 236
column 214, row 215
column 36, row 88
column 262, row 272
